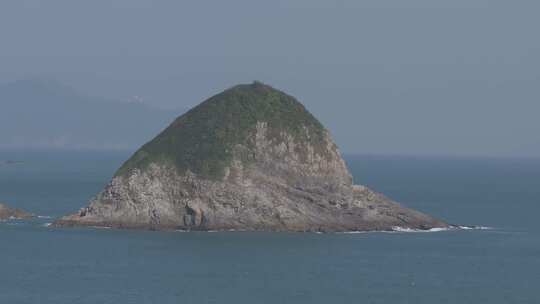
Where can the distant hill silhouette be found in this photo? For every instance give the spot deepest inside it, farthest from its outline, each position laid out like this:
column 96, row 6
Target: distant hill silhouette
column 45, row 114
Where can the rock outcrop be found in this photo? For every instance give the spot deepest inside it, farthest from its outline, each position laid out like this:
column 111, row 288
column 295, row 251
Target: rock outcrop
column 7, row 213
column 249, row 158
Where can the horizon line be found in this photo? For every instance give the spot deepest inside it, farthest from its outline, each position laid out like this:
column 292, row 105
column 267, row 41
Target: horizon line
column 345, row 154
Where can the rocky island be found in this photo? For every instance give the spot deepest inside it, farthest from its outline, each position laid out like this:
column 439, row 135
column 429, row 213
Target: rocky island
column 251, row 158
column 7, row 213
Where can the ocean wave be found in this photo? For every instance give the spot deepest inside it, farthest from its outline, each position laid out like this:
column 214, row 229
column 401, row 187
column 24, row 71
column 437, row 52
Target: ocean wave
column 398, row 229
column 210, row 231
column 405, row 229
column 395, row 229
column 474, row 228
column 438, row 229
column 44, row 217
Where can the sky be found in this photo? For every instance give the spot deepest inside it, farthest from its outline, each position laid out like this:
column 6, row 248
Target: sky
column 455, row 78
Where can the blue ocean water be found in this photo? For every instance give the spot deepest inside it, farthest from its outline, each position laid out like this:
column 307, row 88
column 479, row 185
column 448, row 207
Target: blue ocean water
column 39, row 264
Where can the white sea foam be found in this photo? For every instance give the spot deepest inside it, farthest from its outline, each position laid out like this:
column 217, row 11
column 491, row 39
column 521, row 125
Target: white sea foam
column 100, row 227
column 47, row 224
column 207, row 231
column 405, row 229
column 43, row 216
column 474, row 228
column 395, row 229
column 437, row 229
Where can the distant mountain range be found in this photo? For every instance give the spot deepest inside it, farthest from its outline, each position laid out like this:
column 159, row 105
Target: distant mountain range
column 44, row 114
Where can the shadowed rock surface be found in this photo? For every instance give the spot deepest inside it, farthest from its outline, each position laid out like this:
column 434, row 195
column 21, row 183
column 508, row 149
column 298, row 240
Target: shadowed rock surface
column 7, row 213
column 249, row 158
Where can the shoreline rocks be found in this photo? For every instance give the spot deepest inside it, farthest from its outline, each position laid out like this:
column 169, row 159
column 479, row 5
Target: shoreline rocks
column 7, row 213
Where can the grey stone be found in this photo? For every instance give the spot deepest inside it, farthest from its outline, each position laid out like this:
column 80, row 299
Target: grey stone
column 13, row 213
column 281, row 188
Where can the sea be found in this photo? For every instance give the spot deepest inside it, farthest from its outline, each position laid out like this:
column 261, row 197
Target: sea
column 499, row 262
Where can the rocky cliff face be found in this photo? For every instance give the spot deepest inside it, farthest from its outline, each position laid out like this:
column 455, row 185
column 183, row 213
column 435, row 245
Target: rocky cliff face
column 7, row 213
column 250, row 158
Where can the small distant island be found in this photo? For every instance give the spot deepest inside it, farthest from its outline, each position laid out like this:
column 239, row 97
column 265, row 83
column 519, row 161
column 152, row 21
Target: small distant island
column 11, row 162
column 251, row 158
column 7, row 213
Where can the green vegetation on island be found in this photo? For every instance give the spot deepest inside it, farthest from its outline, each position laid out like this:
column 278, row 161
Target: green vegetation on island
column 202, row 140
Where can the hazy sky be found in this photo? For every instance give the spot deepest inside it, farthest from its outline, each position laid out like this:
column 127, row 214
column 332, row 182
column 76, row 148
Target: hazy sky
column 458, row 77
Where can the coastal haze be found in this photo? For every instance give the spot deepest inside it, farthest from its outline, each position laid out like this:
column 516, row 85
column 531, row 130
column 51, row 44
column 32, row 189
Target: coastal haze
column 416, row 78
column 41, row 114
column 289, row 151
